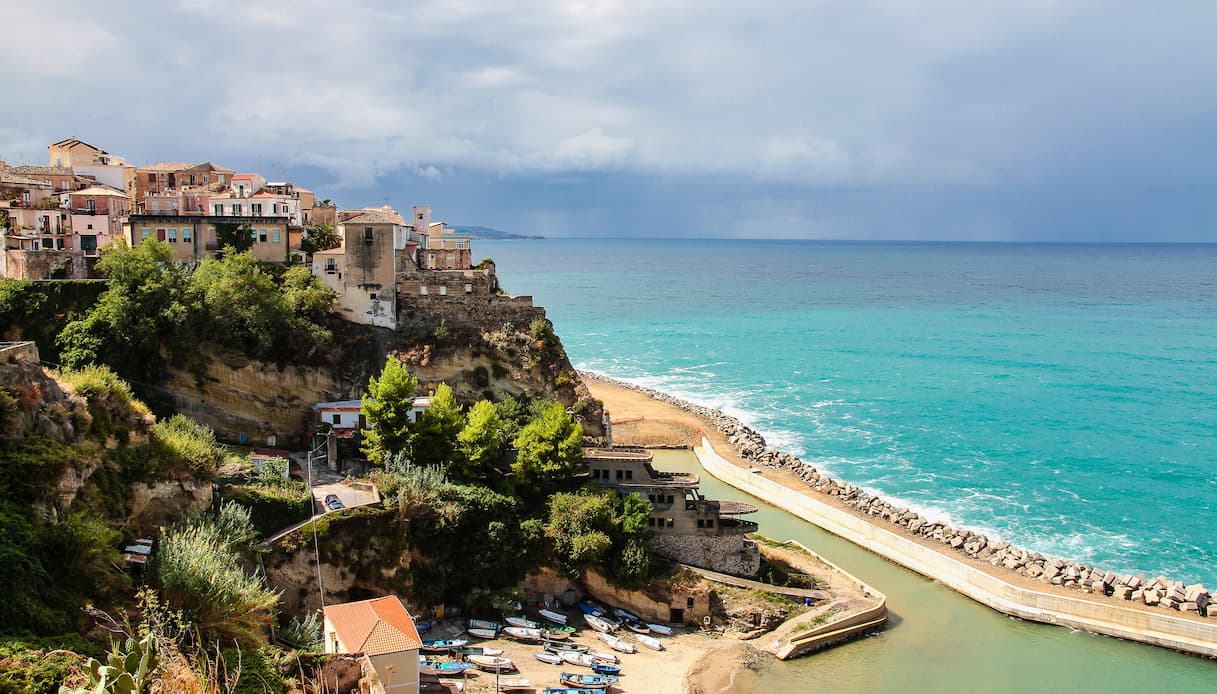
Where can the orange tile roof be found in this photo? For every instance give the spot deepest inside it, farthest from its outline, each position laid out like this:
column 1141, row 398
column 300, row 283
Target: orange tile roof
column 374, row 627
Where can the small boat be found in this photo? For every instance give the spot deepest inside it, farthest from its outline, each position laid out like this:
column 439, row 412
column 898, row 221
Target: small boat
column 626, row 615
column 478, row 650
column 547, row 657
column 637, row 627
column 522, row 622
column 606, row 658
column 599, row 624
column 560, row 647
column 606, row 669
column 573, row 679
column 555, row 617
column 514, row 684
column 482, row 633
column 423, row 626
column 441, row 645
column 556, row 635
column 443, row 668
column 617, row 644
column 492, row 663
column 484, row 624
column 522, row 634
column 650, row 642
column 565, row 628
column 589, row 607
column 582, row 659
column 660, row 629
column 567, row 690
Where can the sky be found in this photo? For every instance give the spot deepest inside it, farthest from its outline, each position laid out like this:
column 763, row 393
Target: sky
column 1033, row 120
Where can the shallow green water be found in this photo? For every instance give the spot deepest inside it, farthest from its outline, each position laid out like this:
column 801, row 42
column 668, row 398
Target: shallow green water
column 939, row 641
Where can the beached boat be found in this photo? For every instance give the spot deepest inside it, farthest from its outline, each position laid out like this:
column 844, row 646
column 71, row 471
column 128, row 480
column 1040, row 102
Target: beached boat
column 603, row 657
column 567, row 690
column 574, row 679
column 589, row 607
column 581, row 659
column 626, row 615
column 442, row 645
column 482, row 633
column 423, row 626
column 484, row 624
column 637, row 627
column 514, row 684
column 478, row 650
column 522, row 634
column 617, row 644
column 601, row 625
column 555, row 635
column 522, row 622
column 553, row 647
column 660, row 629
column 492, row 663
column 650, row 642
column 606, row 669
column 547, row 657
column 565, row 628
column 555, row 617
column 443, row 668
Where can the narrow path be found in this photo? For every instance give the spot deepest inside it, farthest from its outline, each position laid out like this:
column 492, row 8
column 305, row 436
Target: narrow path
column 757, row 585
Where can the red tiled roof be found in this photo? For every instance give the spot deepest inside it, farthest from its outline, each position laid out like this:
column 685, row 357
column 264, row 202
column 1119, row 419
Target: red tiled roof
column 243, row 176
column 374, row 627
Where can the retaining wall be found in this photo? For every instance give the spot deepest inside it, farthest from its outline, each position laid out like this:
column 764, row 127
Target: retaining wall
column 1159, row 629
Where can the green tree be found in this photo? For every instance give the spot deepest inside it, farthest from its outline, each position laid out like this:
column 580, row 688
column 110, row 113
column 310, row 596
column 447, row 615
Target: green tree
column 233, row 237
column 320, row 237
column 386, row 406
column 631, row 539
column 243, row 305
column 306, row 295
column 480, row 442
column 579, row 528
column 435, row 434
column 548, row 450
column 513, row 415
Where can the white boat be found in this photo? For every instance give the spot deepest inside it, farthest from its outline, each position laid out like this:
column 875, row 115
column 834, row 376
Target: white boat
column 522, row 622
column 650, row 642
column 582, row 659
column 491, row 663
column 555, row 617
column 484, row 624
column 547, row 657
column 482, row 633
column 598, row 624
column 511, row 684
column 522, row 634
column 617, row 644
column 660, row 629
column 492, row 651
column 602, row 657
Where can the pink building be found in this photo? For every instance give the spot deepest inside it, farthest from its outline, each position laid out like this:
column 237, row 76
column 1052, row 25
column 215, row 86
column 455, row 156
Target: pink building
column 97, row 214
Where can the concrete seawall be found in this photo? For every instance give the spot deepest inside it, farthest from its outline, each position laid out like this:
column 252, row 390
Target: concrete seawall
column 1137, row 625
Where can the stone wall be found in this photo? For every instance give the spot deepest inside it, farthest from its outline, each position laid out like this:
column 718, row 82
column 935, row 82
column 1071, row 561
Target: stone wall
column 459, row 299
column 729, row 554
column 40, row 264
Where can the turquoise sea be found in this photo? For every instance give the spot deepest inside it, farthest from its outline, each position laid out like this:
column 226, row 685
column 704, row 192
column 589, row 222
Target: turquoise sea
column 1062, row 397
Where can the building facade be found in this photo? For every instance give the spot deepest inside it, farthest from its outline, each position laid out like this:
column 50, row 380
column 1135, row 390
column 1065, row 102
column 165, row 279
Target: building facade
column 193, row 238
column 97, row 215
column 382, row 633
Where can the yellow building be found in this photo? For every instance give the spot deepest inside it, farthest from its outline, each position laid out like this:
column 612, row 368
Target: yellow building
column 384, row 633
column 193, row 238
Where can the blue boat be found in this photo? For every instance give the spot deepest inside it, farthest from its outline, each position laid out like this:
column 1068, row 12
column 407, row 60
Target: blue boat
column 606, row 669
column 580, row 681
column 569, row 690
column 589, row 607
column 441, row 645
column 444, row 668
column 422, row 626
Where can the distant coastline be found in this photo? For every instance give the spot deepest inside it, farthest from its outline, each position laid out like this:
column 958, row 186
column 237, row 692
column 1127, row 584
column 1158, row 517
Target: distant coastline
column 489, row 234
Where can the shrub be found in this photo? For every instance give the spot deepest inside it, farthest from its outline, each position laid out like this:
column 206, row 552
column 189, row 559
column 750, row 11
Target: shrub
column 191, row 443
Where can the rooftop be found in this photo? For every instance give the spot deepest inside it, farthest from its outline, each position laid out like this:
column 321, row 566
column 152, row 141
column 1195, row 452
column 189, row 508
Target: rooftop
column 102, row 190
column 71, row 141
column 374, row 627
column 376, row 215
column 42, row 170
column 13, row 179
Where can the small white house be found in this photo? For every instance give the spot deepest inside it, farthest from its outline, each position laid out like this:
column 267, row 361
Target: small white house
column 344, row 416
column 382, row 632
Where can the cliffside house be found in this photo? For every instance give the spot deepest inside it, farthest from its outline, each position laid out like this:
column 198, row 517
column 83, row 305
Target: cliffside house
column 444, row 249
column 170, row 175
column 97, row 214
column 382, row 633
column 194, row 237
column 687, row 527
column 90, row 162
column 343, row 418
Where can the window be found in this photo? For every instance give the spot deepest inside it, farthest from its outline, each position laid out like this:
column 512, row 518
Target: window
column 367, row 234
column 420, row 216
column 689, row 604
column 422, row 290
column 91, row 205
column 709, row 522
column 187, row 235
column 671, row 522
column 595, row 474
column 156, row 207
column 25, row 196
column 337, row 418
column 236, row 209
column 451, row 260
column 191, row 179
column 274, row 236
column 619, row 475
column 255, row 209
column 669, row 498
column 468, row 288
column 372, row 296
column 145, row 233
column 443, row 290
column 90, row 226
column 171, row 235
column 253, row 234
column 701, row 523
column 331, row 265
column 262, row 236
column 218, row 210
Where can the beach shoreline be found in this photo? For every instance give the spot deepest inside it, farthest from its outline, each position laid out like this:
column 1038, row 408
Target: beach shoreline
column 636, row 406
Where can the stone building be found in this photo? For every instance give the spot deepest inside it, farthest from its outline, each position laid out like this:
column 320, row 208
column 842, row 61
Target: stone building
column 194, row 238
column 687, row 527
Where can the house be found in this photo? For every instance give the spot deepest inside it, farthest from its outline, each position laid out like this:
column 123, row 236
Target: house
column 375, row 241
column 90, row 162
column 239, row 202
column 687, row 526
column 444, row 249
column 169, row 175
column 344, row 416
column 245, row 185
column 58, row 177
column 383, row 634
column 194, row 238
column 97, row 213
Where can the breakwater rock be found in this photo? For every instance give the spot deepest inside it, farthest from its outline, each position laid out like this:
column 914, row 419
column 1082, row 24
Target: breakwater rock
column 1159, row 592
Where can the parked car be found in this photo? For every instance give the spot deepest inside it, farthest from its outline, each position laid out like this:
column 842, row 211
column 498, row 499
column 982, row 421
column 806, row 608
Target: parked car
column 333, row 503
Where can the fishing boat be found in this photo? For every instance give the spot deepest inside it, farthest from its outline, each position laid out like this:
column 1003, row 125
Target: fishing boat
column 492, row 663
column 442, row 645
column 555, row 617
column 626, row 615
column 423, row 626
column 650, row 642
column 553, row 647
column 556, row 635
column 547, row 657
column 522, row 622
column 574, row 679
column 637, row 627
column 606, row 669
column 443, row 668
column 606, row 658
column 482, row 633
column 567, row 690
column 574, row 658
column 484, row 624
column 601, row 625
column 566, row 628
column 617, row 644
column 478, row 650
column 589, row 607
column 522, row 634
column 514, row 684
column 660, row 629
